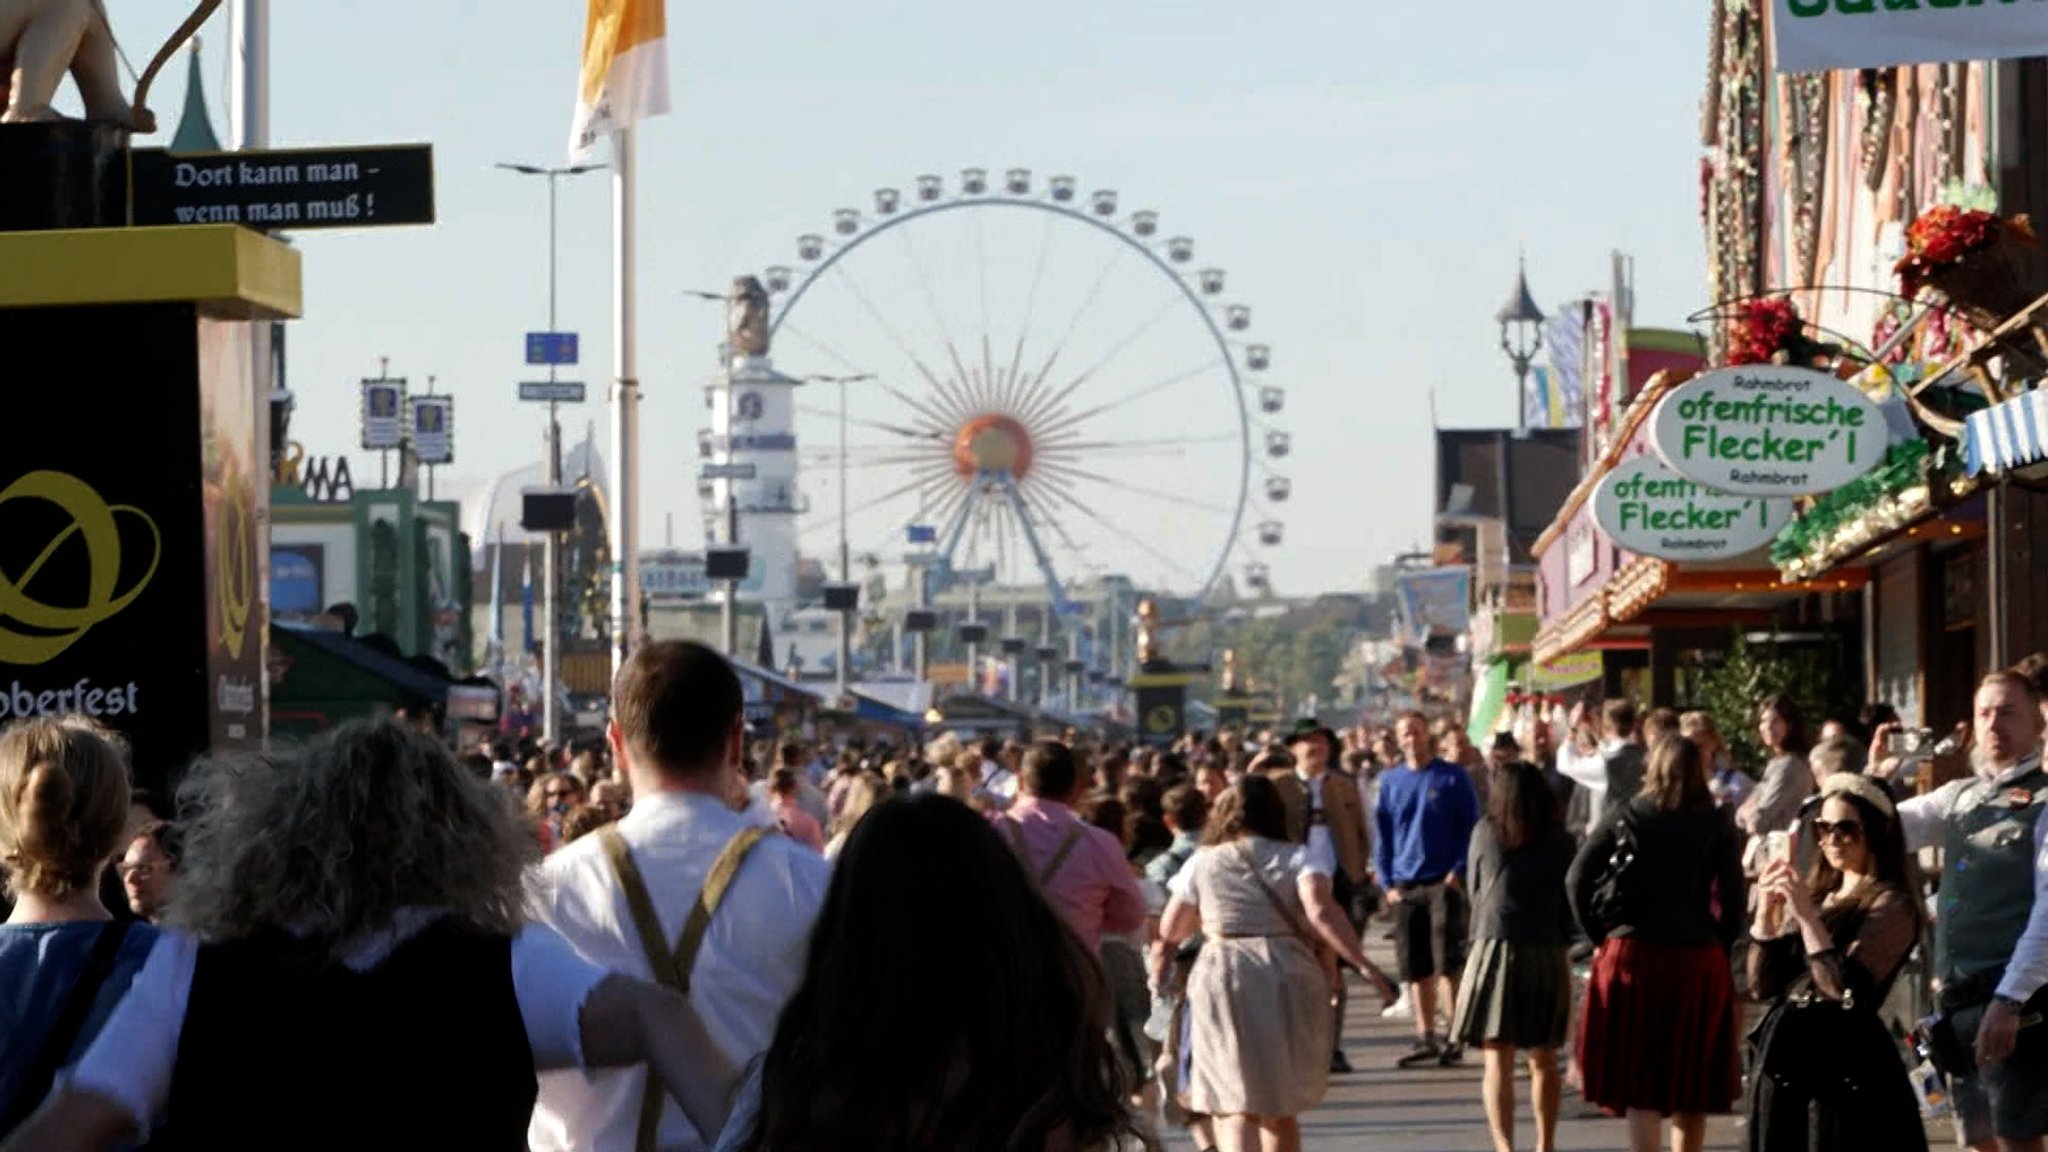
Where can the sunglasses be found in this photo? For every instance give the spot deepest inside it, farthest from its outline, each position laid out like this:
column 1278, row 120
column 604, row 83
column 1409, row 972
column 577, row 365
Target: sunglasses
column 1838, row 830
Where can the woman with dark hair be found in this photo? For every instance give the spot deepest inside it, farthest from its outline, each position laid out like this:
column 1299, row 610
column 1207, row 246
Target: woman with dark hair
column 1260, row 992
column 1145, row 833
column 350, row 969
column 1516, row 994
column 1827, row 1074
column 1658, row 885
column 1001, row 1040
column 1787, row 780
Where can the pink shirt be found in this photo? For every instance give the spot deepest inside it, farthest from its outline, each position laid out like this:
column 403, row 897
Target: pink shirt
column 1093, row 887
column 798, row 824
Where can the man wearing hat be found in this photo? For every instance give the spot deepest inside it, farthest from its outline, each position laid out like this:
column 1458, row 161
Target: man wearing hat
column 1326, row 814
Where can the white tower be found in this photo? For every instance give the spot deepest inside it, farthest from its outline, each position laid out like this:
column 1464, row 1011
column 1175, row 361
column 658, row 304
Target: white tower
column 751, row 476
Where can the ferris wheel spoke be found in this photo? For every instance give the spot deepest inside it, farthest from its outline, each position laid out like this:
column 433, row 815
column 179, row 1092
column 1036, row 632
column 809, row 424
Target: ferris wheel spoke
column 1041, row 507
column 1029, row 397
column 921, row 482
column 1070, row 473
column 1063, row 420
column 1122, row 532
column 839, row 357
column 1046, row 404
column 1061, row 447
column 931, row 299
column 923, row 433
column 868, row 305
column 1012, row 379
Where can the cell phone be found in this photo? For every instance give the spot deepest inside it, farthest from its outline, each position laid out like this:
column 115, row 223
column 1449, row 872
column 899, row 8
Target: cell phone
column 1777, row 846
column 1908, row 741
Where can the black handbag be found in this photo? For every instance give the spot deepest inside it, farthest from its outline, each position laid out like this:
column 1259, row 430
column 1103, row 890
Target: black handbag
column 1613, row 897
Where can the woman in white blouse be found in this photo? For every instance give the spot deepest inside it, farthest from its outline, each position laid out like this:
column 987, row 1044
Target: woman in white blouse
column 350, row 968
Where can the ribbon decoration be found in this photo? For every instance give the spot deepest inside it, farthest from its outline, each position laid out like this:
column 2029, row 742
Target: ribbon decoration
column 186, row 31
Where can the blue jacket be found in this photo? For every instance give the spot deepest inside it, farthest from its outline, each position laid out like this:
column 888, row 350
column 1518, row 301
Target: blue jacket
column 1424, row 820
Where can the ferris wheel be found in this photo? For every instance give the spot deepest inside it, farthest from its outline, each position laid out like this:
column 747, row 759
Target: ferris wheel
column 1034, row 384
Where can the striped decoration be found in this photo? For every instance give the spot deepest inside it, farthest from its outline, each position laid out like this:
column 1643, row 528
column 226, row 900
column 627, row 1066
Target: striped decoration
column 2007, row 436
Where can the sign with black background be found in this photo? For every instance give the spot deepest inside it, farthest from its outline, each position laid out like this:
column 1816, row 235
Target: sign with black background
column 287, row 190
column 103, row 529
column 1162, row 713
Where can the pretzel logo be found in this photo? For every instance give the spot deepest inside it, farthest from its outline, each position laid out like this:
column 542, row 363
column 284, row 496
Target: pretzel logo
column 234, row 564
column 35, row 632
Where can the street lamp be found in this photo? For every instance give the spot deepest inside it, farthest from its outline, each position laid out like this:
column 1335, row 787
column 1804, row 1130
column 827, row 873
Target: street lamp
column 1521, row 337
column 551, row 660
column 845, row 554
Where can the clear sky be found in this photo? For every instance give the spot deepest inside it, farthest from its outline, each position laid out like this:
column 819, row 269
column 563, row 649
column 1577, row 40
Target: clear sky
column 1366, row 171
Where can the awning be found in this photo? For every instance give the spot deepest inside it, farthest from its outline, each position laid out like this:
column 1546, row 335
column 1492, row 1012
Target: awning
column 878, row 712
column 2007, row 437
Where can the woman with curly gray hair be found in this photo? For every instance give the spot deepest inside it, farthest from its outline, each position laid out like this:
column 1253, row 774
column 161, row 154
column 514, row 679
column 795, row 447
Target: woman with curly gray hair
column 350, row 967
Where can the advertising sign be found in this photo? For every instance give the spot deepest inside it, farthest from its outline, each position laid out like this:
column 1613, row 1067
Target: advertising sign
column 1819, row 35
column 383, row 414
column 131, row 549
column 235, row 496
column 298, row 581
column 1650, row 510
column 1769, row 430
column 1566, row 672
column 433, row 429
column 295, row 189
column 1435, row 602
column 1162, row 714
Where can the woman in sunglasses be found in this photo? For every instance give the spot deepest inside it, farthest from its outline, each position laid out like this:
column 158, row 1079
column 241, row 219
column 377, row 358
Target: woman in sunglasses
column 1827, row 1072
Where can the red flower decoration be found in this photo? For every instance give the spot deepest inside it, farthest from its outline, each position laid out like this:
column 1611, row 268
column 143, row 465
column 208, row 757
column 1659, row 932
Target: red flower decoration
column 1762, row 330
column 1944, row 235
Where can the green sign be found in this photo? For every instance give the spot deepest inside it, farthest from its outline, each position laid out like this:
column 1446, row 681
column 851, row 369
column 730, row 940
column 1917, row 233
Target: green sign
column 1768, row 430
column 1650, row 510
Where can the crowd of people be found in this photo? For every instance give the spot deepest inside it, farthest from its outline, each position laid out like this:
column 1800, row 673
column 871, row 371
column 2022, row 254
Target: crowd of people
column 685, row 935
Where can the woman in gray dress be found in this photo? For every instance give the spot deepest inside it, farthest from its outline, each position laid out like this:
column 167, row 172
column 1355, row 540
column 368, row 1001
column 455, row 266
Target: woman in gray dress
column 1260, row 992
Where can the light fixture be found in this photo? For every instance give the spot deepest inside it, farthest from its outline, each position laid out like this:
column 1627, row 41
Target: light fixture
column 1521, row 337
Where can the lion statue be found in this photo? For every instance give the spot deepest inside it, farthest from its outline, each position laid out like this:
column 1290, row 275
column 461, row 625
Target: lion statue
column 41, row 40
column 746, row 323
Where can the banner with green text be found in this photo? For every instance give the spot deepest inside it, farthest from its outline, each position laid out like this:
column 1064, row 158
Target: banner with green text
column 1818, row 35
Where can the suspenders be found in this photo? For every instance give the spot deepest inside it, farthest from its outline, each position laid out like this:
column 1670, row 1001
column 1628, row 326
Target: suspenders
column 672, row 969
column 1059, row 856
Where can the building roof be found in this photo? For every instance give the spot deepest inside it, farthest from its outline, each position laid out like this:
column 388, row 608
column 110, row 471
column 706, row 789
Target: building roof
column 195, row 127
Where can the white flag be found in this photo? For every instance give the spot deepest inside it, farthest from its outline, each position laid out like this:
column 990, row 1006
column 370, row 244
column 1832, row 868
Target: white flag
column 625, row 71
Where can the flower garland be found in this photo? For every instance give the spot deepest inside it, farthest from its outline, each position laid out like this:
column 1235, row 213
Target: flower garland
column 1840, row 516
column 1942, row 237
column 1762, row 329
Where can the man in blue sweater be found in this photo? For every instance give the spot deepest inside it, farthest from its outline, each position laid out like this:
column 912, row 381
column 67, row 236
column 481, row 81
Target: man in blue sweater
column 1424, row 819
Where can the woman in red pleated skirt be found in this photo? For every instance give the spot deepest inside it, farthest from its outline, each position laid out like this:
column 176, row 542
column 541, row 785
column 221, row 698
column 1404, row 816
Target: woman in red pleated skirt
column 1659, row 884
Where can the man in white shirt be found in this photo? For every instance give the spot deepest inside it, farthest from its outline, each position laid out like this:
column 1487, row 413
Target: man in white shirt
column 676, row 728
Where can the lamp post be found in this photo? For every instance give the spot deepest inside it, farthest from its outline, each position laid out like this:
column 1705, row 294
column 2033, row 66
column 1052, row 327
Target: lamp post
column 551, row 549
column 1521, row 337
column 845, row 554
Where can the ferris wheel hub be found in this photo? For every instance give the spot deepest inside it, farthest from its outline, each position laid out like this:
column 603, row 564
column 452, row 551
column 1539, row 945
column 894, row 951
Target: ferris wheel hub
column 992, row 443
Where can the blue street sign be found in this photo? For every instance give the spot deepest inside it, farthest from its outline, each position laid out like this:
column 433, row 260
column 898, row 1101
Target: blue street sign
column 923, row 534
column 551, row 347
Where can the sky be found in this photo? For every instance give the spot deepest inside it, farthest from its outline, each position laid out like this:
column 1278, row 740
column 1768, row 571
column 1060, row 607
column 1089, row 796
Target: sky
column 1368, row 173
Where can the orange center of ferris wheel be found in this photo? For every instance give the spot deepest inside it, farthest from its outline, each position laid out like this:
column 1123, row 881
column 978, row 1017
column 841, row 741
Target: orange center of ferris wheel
column 992, row 444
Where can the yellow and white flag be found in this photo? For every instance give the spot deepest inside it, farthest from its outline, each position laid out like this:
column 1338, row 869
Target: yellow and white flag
column 625, row 71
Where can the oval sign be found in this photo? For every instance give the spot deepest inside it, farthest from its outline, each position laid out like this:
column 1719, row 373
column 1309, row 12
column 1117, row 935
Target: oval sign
column 1769, row 430
column 1650, row 510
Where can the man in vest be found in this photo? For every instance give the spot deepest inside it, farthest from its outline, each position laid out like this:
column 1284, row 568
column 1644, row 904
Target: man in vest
column 1991, row 922
column 1081, row 867
column 683, row 890
column 1326, row 814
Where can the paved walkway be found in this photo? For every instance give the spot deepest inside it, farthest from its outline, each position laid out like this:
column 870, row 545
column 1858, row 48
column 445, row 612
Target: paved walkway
column 1380, row 1108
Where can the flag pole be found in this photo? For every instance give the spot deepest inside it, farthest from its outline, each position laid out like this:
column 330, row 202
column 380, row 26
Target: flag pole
column 625, row 462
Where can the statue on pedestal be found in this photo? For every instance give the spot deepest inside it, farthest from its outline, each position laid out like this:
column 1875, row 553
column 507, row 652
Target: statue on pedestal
column 41, row 40
column 746, row 318
column 1148, row 634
